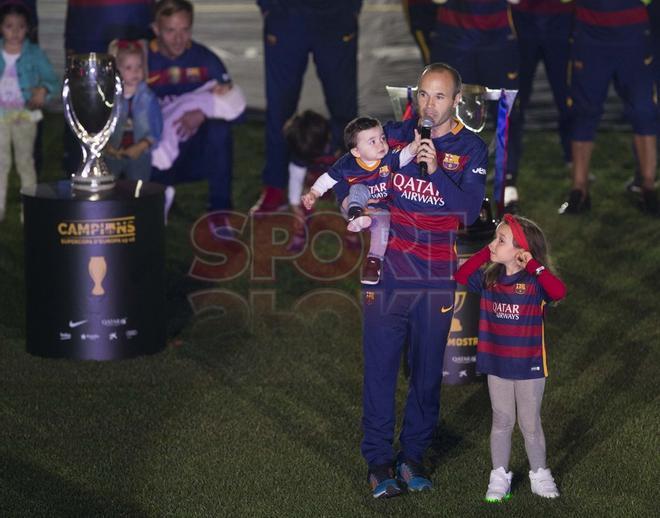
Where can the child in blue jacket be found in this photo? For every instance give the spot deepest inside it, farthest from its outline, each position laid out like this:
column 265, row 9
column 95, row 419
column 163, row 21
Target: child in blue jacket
column 27, row 81
column 140, row 121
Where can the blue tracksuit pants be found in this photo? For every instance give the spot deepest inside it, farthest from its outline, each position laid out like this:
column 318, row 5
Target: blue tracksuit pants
column 392, row 316
column 289, row 38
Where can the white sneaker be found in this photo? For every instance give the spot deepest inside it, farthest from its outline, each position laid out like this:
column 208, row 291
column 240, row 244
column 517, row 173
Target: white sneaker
column 169, row 199
column 359, row 223
column 543, row 484
column 510, row 195
column 499, row 486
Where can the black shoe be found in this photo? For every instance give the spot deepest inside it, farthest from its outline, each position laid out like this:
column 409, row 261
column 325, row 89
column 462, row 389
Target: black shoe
column 371, row 270
column 634, row 186
column 512, row 208
column 649, row 202
column 382, row 482
column 357, row 220
column 354, row 212
column 577, row 202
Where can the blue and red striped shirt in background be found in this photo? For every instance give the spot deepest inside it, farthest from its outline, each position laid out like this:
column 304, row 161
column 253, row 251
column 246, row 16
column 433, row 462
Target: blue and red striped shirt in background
column 426, row 211
column 543, row 19
column 92, row 24
column 189, row 71
column 612, row 22
column 511, row 318
column 462, row 23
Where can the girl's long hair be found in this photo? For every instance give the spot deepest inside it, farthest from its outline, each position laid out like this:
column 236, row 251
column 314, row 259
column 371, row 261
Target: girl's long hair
column 538, row 247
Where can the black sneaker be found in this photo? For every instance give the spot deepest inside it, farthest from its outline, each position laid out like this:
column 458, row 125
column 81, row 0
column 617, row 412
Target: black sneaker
column 577, row 202
column 371, row 270
column 382, row 482
column 357, row 220
column 649, row 202
column 634, row 186
column 512, row 208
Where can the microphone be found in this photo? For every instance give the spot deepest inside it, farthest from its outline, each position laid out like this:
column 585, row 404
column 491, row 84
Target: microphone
column 425, row 132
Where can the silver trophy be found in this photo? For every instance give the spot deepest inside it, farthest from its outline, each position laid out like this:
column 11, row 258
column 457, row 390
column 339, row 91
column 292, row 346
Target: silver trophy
column 91, row 94
column 471, row 109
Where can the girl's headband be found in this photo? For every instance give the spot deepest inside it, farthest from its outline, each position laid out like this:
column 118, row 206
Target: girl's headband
column 517, row 231
column 125, row 44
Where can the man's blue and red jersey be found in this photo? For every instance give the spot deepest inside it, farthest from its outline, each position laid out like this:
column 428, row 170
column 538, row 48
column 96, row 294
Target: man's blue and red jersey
column 377, row 177
column 427, row 211
column 92, row 24
column 511, row 319
column 463, row 23
column 611, row 22
column 189, row 71
column 543, row 19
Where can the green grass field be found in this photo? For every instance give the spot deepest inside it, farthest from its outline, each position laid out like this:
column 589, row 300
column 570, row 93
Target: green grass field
column 260, row 416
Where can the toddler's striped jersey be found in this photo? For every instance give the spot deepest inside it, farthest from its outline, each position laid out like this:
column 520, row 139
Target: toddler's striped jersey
column 612, row 22
column 196, row 66
column 377, row 177
column 426, row 211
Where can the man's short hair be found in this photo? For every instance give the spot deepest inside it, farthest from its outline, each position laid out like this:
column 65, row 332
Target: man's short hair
column 443, row 67
column 356, row 126
column 170, row 7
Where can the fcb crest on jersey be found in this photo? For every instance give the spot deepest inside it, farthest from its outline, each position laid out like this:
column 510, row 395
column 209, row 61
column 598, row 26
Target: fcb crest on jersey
column 384, row 170
column 193, row 74
column 369, row 297
column 520, row 288
column 174, row 75
column 451, row 162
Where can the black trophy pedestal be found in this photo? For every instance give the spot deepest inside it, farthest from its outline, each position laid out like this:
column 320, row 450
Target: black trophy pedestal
column 460, row 360
column 94, row 271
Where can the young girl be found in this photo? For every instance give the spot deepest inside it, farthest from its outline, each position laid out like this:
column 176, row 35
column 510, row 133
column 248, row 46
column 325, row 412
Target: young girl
column 27, row 80
column 140, row 121
column 514, row 289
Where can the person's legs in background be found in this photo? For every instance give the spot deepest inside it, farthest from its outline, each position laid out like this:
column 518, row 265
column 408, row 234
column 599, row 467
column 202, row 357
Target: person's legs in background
column 590, row 69
column 286, row 52
column 335, row 57
column 5, row 164
column 23, row 136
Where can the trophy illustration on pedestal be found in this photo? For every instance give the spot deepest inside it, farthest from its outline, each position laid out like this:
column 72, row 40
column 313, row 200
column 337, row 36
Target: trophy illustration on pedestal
column 97, row 269
column 91, row 93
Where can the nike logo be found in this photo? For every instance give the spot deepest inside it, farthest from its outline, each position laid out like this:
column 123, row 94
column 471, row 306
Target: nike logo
column 76, row 324
column 446, row 310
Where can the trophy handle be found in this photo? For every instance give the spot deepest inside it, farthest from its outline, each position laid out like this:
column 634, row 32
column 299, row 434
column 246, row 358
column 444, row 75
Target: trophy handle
column 102, row 137
column 95, row 142
column 69, row 114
